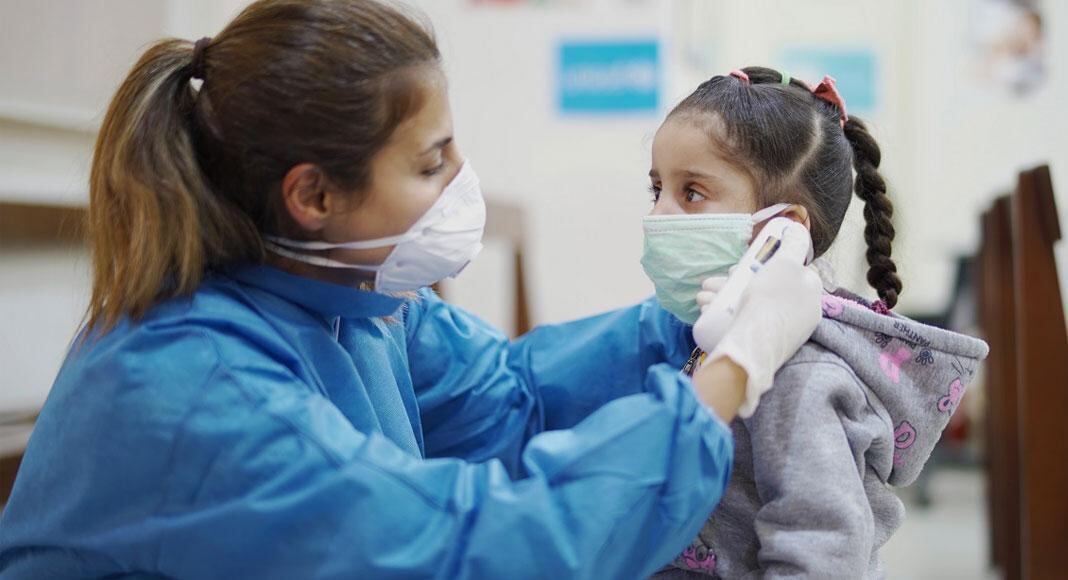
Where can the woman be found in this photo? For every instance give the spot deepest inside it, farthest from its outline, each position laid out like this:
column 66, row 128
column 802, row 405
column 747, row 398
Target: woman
column 264, row 387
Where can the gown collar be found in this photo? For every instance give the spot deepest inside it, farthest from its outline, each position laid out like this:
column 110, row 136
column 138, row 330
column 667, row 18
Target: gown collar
column 324, row 298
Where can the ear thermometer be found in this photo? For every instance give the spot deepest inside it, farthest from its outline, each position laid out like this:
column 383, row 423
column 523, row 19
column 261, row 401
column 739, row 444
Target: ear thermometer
column 719, row 314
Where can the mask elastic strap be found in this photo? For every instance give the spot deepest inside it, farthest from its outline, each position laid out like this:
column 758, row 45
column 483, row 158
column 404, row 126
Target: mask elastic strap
column 359, row 245
column 317, row 260
column 465, row 175
column 770, row 212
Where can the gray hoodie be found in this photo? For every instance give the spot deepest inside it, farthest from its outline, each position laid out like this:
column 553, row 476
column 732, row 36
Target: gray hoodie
column 857, row 410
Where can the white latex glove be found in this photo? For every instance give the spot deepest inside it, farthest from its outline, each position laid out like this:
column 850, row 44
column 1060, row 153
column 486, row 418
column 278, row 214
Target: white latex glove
column 777, row 315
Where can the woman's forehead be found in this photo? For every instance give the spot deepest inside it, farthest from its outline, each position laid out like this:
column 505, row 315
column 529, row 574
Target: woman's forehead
column 432, row 122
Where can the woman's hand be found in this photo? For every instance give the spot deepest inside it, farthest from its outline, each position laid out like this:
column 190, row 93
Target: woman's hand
column 778, row 314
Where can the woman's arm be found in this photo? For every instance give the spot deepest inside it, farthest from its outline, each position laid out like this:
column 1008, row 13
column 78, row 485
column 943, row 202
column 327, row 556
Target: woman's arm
column 720, row 384
column 285, row 487
column 580, row 365
column 482, row 396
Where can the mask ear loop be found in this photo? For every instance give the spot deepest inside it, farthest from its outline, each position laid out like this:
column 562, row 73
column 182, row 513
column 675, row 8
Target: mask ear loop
column 770, row 212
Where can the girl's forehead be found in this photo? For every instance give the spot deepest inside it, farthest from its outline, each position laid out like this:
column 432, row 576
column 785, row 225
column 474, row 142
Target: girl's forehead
column 681, row 143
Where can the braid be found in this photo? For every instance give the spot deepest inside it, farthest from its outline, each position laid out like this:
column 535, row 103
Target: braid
column 878, row 211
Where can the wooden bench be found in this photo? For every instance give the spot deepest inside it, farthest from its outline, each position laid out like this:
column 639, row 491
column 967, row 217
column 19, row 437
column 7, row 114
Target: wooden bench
column 1022, row 313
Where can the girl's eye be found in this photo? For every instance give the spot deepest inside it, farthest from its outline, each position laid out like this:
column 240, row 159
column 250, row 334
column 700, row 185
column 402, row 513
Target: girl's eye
column 694, row 197
column 434, row 170
column 655, row 192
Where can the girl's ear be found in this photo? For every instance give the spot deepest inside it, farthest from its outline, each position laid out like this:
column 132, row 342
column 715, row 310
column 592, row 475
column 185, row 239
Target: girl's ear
column 796, row 212
column 799, row 214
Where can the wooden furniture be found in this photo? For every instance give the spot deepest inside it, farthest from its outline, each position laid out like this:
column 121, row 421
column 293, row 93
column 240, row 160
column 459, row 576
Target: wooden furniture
column 1042, row 374
column 505, row 221
column 15, row 428
column 997, row 316
column 1022, row 312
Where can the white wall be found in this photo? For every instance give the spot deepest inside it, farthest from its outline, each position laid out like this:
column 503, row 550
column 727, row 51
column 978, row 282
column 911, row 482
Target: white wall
column 43, row 293
column 948, row 147
column 60, row 62
column 582, row 181
column 971, row 143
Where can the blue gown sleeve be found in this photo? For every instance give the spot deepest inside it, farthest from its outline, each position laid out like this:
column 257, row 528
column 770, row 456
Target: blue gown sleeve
column 194, row 468
column 275, row 482
column 481, row 396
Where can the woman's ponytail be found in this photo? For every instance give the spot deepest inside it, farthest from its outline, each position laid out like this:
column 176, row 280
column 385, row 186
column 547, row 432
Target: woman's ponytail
column 154, row 224
column 878, row 212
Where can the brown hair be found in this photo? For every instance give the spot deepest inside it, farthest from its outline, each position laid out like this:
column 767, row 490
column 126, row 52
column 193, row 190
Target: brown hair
column 794, row 148
column 186, row 180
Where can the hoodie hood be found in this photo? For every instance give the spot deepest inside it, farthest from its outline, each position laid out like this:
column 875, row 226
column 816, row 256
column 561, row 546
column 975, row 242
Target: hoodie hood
column 918, row 373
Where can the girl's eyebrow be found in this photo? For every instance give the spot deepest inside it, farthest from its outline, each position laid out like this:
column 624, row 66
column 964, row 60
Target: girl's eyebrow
column 687, row 174
column 699, row 175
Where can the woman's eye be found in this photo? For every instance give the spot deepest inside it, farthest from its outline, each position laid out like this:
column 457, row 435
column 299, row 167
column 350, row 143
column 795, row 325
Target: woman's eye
column 434, row 170
column 654, row 191
column 694, row 197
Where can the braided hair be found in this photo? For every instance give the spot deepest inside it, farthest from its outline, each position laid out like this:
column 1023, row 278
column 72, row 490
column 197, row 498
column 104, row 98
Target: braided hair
column 878, row 212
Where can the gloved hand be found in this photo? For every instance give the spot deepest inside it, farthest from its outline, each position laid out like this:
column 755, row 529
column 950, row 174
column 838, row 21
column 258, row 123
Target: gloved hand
column 777, row 315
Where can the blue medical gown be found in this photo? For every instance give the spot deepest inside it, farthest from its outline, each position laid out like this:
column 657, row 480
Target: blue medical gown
column 275, row 426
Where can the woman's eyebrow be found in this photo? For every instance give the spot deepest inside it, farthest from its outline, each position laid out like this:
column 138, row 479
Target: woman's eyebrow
column 443, row 143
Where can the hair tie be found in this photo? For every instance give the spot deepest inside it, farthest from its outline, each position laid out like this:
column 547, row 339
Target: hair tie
column 740, row 75
column 785, row 80
column 197, row 66
column 827, row 91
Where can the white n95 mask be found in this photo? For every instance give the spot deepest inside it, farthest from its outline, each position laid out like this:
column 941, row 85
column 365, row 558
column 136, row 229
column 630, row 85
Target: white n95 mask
column 437, row 246
column 681, row 251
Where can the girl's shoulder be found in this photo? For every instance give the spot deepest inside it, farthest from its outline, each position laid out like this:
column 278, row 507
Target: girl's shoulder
column 816, row 375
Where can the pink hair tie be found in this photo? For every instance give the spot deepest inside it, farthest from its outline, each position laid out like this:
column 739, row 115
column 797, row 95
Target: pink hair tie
column 828, row 91
column 740, row 75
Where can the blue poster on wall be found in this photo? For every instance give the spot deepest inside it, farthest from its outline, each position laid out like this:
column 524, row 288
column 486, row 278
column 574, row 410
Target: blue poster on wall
column 855, row 70
column 608, row 77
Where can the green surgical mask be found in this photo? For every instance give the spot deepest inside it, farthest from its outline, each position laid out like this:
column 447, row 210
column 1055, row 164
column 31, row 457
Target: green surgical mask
column 681, row 251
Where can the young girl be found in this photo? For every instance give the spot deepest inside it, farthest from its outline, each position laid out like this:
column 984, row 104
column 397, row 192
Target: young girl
column 860, row 407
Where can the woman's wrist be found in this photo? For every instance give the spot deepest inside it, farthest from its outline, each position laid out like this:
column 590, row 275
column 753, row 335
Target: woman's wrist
column 720, row 384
